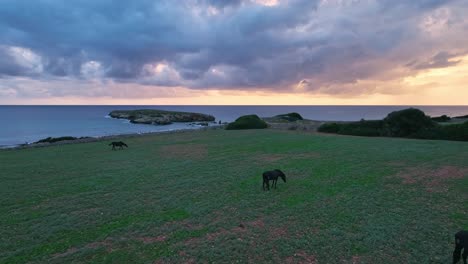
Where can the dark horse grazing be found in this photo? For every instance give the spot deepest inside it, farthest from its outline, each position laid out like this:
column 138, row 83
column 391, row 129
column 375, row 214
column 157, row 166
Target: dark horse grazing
column 118, row 144
column 461, row 242
column 272, row 176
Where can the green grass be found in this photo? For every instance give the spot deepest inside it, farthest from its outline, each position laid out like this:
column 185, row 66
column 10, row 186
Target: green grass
column 181, row 197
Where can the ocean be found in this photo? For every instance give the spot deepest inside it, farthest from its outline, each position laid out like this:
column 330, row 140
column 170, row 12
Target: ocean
column 26, row 124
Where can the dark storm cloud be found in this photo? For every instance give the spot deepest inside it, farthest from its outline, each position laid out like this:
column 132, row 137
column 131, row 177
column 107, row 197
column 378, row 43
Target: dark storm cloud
column 225, row 44
column 127, row 34
column 440, row 60
column 8, row 67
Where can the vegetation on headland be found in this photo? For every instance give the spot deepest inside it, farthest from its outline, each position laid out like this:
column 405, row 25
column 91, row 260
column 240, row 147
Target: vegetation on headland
column 442, row 118
column 58, row 139
column 160, row 117
column 182, row 197
column 409, row 123
column 247, row 122
column 290, row 117
column 254, row 122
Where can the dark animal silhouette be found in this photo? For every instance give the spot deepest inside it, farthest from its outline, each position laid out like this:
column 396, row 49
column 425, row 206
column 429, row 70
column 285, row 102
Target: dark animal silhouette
column 461, row 242
column 118, row 144
column 272, row 176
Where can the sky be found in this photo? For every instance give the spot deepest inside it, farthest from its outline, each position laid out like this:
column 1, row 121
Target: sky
column 234, row 52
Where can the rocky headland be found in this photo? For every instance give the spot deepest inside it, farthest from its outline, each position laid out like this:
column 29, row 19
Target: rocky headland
column 160, row 117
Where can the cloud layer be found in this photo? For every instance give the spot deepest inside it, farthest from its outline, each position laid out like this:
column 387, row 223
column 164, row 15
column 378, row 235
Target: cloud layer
column 340, row 47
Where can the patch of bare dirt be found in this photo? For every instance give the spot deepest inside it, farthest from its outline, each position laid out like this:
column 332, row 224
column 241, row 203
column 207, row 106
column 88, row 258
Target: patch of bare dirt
column 69, row 251
column 214, row 235
column 186, row 151
column 241, row 228
column 256, row 223
column 279, row 232
column 308, row 155
column 149, row 240
column 107, row 244
column 356, row 260
column 246, row 230
column 434, row 180
column 301, row 257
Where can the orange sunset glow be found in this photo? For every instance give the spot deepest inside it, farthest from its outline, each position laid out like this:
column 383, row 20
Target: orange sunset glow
column 262, row 52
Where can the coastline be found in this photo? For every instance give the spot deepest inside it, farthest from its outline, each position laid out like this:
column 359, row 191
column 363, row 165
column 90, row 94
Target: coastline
column 300, row 125
column 303, row 125
column 107, row 137
column 27, row 124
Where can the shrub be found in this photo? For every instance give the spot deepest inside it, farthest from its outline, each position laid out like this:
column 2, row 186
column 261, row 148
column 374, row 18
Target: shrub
column 291, row 117
column 442, row 118
column 361, row 128
column 406, row 123
column 457, row 132
column 329, row 128
column 454, row 132
column 247, row 122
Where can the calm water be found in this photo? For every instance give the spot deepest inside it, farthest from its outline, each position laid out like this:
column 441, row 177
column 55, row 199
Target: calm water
column 20, row 124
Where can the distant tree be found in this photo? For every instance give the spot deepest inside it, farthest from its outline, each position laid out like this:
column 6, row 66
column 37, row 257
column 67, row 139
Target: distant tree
column 247, row 122
column 406, row 123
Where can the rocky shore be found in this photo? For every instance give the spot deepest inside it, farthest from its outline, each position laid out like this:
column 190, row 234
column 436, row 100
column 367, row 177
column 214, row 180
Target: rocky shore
column 106, row 138
column 159, row 117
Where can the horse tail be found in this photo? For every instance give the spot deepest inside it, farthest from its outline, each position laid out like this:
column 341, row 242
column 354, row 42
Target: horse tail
column 110, row 144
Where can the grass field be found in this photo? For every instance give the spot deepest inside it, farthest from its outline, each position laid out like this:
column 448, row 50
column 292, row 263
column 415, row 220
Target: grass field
column 181, row 198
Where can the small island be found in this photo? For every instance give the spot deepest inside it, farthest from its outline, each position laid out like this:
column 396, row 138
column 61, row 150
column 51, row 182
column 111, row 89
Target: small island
column 159, row 117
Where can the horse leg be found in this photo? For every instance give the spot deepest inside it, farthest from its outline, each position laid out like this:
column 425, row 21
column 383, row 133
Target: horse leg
column 457, row 252
column 268, row 185
column 465, row 255
column 263, row 185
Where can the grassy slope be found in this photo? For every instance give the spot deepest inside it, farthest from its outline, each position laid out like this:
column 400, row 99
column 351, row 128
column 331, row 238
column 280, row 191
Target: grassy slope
column 181, row 197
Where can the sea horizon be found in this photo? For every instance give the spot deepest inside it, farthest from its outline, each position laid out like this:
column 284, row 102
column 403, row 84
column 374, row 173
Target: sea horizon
column 409, row 105
column 29, row 123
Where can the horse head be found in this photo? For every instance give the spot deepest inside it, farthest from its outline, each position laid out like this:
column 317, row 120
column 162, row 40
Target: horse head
column 281, row 174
